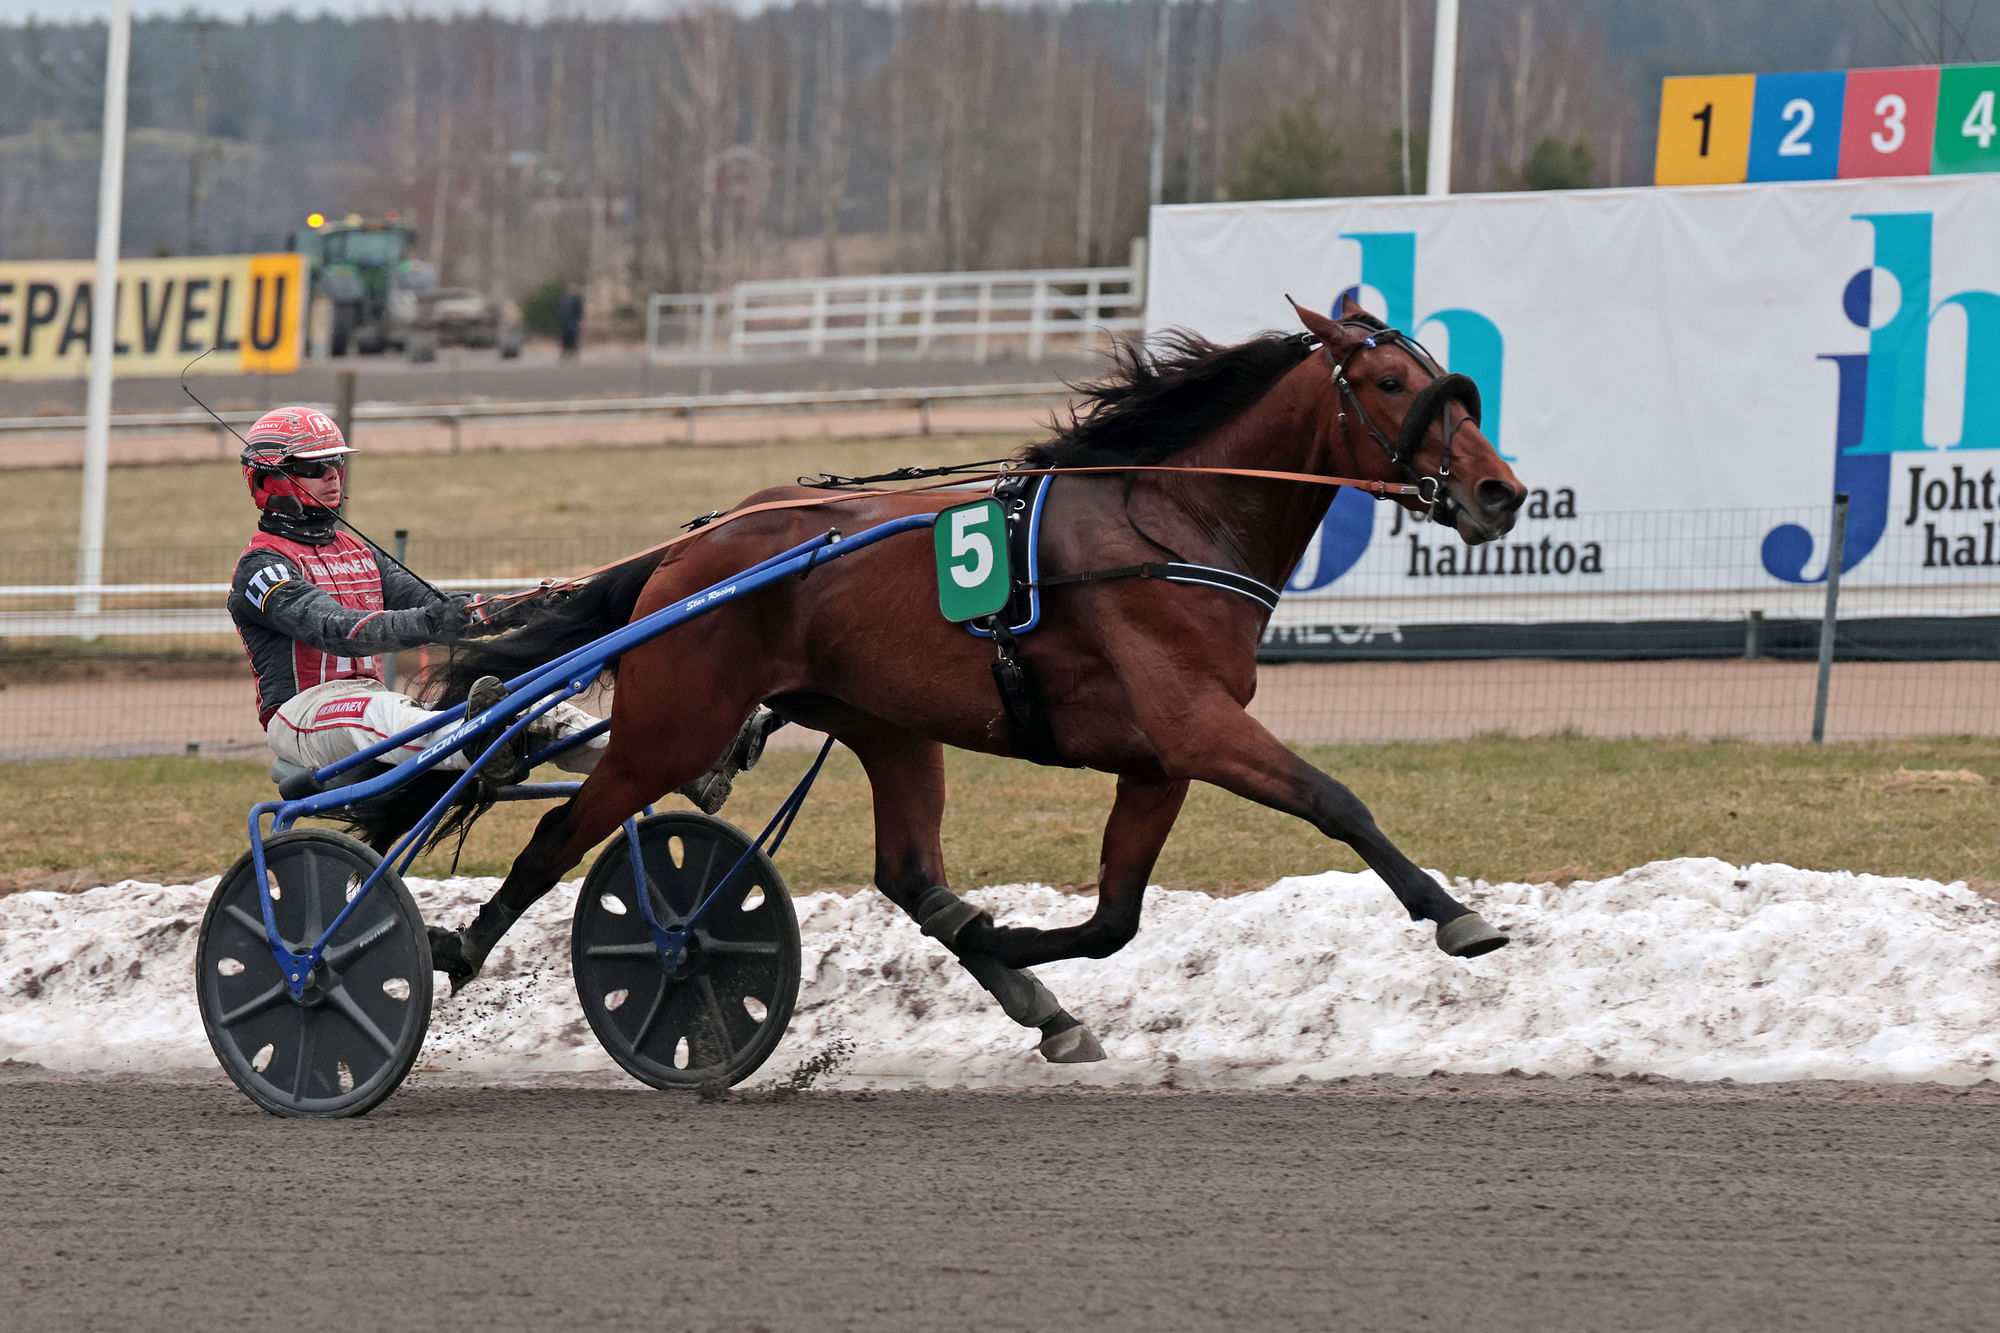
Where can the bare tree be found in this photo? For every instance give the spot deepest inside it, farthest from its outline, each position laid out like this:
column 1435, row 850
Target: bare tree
column 832, row 134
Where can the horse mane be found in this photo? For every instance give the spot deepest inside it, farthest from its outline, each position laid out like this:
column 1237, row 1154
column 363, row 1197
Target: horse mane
column 1162, row 395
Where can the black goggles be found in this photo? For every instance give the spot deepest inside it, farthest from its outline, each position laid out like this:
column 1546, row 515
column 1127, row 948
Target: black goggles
column 312, row 469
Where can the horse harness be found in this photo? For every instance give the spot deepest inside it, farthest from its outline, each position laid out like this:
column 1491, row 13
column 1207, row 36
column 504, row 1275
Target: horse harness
column 1022, row 698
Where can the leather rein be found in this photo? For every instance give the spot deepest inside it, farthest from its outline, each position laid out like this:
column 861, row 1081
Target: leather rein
column 1433, row 400
column 1381, row 490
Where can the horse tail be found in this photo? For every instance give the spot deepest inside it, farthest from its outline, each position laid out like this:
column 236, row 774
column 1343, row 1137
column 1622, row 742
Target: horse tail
column 538, row 631
column 384, row 819
column 521, row 638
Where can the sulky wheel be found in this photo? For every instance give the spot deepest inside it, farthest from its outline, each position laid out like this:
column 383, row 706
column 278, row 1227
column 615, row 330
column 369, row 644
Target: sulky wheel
column 352, row 1037
column 719, row 1015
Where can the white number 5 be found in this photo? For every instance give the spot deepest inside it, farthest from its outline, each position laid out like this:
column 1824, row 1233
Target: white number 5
column 975, row 544
column 1892, row 108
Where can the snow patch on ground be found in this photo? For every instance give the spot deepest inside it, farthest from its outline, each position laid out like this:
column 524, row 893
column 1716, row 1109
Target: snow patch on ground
column 1691, row 969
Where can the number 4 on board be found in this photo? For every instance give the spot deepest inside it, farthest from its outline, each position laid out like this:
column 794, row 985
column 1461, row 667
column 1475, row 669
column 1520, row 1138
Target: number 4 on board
column 1979, row 121
column 1968, row 136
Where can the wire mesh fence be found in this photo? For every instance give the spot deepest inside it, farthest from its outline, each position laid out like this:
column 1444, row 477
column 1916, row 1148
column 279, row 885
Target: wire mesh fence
column 1700, row 624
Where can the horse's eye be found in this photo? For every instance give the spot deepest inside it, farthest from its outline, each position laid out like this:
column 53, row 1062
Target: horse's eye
column 1391, row 386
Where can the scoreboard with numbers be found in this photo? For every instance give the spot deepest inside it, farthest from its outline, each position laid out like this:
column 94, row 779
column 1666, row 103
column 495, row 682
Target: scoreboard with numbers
column 1726, row 129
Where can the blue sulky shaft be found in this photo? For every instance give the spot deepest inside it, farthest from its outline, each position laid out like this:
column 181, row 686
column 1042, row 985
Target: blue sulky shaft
column 533, row 693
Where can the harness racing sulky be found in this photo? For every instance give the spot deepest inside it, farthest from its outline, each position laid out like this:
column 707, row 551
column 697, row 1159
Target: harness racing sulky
column 1033, row 626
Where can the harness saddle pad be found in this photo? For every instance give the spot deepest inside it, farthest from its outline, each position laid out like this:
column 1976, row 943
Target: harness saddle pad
column 1022, row 500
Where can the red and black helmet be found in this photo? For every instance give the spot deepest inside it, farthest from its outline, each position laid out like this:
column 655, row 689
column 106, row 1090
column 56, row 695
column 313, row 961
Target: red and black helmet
column 281, row 438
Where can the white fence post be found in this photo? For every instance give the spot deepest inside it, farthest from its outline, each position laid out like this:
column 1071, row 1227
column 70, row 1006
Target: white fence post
column 984, row 313
column 1038, row 319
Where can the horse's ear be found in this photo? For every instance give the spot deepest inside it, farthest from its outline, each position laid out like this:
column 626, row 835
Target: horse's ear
column 1316, row 324
column 1351, row 308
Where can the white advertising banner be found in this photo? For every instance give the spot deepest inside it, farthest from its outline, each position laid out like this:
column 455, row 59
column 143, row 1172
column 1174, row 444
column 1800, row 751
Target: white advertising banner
column 1657, row 364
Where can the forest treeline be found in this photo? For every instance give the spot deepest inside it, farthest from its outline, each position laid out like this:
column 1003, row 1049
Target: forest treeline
column 686, row 149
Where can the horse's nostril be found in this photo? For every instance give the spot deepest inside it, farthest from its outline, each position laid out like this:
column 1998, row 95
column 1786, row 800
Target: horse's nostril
column 1497, row 497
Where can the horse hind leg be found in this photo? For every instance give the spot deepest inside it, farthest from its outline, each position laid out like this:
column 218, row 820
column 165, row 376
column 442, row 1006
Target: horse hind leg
column 906, row 773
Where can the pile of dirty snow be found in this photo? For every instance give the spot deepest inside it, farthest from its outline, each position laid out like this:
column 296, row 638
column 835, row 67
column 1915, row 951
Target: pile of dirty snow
column 1691, row 969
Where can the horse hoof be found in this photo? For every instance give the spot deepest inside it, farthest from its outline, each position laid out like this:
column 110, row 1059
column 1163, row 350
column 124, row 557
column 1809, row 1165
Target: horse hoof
column 1072, row 1046
column 1468, row 936
column 448, row 957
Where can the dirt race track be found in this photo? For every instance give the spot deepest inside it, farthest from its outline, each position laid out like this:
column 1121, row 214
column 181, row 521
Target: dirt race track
column 1448, row 1203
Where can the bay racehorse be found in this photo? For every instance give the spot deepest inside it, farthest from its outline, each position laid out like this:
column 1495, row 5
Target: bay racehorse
column 1142, row 679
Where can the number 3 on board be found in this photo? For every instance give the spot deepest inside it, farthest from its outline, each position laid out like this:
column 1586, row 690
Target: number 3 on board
column 1704, row 130
column 1889, row 115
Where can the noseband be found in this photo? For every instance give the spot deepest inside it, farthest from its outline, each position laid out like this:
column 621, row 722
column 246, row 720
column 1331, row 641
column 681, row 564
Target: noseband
column 1433, row 401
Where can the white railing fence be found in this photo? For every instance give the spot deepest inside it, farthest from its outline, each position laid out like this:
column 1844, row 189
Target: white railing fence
column 901, row 316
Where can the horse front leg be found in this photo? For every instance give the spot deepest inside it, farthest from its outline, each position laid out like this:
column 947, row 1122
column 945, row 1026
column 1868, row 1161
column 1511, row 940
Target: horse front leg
column 1140, row 820
column 1236, row 753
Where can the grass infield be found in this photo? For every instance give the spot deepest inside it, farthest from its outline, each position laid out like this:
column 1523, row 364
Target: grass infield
column 1493, row 808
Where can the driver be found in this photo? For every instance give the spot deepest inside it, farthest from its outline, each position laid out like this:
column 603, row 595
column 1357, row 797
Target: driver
column 315, row 608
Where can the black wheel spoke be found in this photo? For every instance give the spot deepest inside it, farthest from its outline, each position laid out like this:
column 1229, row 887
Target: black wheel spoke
column 356, row 1015
column 270, row 999
column 707, row 880
column 652, row 1019
column 718, row 1019
column 643, row 949
column 754, row 948
column 253, row 924
column 314, row 923
column 663, row 906
column 339, row 955
column 307, row 1032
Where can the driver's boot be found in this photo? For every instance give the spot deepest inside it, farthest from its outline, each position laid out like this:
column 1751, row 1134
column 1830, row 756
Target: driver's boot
column 711, row 789
column 505, row 766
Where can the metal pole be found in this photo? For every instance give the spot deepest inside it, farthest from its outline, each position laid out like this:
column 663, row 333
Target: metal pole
column 1403, row 84
column 1826, row 624
column 1156, row 97
column 343, row 403
column 402, row 553
column 104, row 314
column 1444, row 89
column 343, row 417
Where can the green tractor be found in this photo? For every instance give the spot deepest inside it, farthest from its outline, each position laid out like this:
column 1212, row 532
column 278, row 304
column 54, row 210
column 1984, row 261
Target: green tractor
column 381, row 297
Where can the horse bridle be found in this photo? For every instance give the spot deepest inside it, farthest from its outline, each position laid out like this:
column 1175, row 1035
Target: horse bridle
column 1433, row 401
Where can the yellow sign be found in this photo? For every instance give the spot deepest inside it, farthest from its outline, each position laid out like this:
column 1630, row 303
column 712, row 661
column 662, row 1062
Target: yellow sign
column 247, row 308
column 1705, row 130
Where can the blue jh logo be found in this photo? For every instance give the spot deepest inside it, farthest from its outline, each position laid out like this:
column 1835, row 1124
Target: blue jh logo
column 1881, row 403
column 1389, row 265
